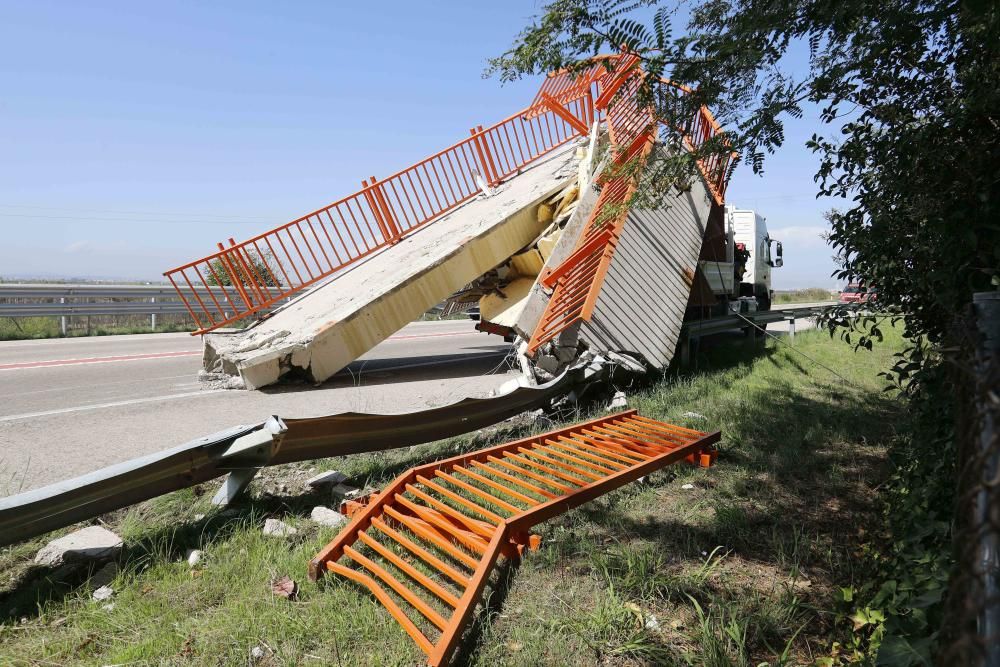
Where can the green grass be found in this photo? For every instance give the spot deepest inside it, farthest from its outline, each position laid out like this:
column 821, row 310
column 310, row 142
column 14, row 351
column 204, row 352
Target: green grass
column 742, row 569
column 809, row 295
column 24, row 328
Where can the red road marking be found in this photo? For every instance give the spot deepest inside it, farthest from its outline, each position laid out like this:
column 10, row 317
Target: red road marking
column 167, row 355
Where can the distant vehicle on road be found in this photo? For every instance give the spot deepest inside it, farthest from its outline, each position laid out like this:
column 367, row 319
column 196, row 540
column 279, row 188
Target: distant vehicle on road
column 855, row 293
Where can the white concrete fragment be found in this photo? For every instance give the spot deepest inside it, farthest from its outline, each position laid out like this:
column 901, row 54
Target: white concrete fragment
column 194, row 557
column 103, row 593
column 618, row 402
column 693, row 415
column 328, row 478
column 278, row 528
column 687, row 487
column 327, row 517
column 90, row 543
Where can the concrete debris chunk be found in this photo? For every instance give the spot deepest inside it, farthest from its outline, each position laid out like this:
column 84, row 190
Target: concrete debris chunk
column 687, row 487
column 345, row 491
column 278, row 528
column 328, row 517
column 626, row 361
column 328, row 478
column 693, row 415
column 194, row 557
column 104, row 576
column 103, row 593
column 92, row 543
column 547, row 363
column 619, row 402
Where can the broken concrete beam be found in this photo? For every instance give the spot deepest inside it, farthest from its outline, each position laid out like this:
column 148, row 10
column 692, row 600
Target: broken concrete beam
column 332, row 325
column 87, row 544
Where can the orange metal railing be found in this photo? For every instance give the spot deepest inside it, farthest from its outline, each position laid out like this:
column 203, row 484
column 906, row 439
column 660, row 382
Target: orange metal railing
column 632, row 130
column 424, row 547
column 274, row 265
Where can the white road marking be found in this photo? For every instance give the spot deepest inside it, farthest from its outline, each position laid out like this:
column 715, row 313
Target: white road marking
column 100, row 406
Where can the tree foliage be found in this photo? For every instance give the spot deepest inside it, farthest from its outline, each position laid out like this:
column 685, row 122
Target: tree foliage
column 909, row 93
column 248, row 269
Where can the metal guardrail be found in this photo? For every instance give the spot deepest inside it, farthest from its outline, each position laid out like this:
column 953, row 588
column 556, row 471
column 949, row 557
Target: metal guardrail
column 66, row 300
column 243, row 450
column 716, row 325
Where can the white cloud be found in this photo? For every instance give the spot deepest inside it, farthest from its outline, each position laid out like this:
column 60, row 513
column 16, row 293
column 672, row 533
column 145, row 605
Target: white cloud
column 801, row 236
column 79, row 246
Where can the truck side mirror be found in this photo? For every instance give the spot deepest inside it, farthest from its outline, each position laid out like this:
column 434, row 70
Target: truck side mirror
column 777, row 253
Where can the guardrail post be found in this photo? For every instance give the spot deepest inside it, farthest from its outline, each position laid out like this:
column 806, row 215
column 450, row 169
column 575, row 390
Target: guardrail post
column 152, row 316
column 485, row 159
column 376, row 211
column 379, row 192
column 62, row 319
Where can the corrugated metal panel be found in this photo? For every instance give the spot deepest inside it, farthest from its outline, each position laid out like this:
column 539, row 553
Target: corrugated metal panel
column 641, row 305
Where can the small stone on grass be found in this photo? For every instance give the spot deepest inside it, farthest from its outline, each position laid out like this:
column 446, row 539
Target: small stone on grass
column 328, row 517
column 278, row 528
column 103, row 593
column 90, row 543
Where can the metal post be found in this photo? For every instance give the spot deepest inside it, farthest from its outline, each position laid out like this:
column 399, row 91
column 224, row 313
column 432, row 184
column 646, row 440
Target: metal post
column 152, row 316
column 685, row 351
column 987, row 311
column 62, row 318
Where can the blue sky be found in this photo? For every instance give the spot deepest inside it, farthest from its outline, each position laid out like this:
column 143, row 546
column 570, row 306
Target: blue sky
column 134, row 136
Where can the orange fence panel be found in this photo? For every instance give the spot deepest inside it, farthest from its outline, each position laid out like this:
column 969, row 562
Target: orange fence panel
column 434, row 534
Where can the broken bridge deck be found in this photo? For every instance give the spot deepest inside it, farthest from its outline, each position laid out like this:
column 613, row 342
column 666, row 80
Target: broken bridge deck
column 334, row 324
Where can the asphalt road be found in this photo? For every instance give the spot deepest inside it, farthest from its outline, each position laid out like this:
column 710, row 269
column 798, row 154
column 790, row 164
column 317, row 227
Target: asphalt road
column 72, row 405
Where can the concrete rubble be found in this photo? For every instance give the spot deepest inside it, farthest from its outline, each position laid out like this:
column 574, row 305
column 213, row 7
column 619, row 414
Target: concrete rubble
column 328, row 517
column 278, row 528
column 103, row 593
column 618, row 402
column 326, row 479
column 92, row 543
column 345, row 491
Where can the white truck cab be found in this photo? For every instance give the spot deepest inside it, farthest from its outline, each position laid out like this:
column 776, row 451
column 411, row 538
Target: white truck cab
column 751, row 254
